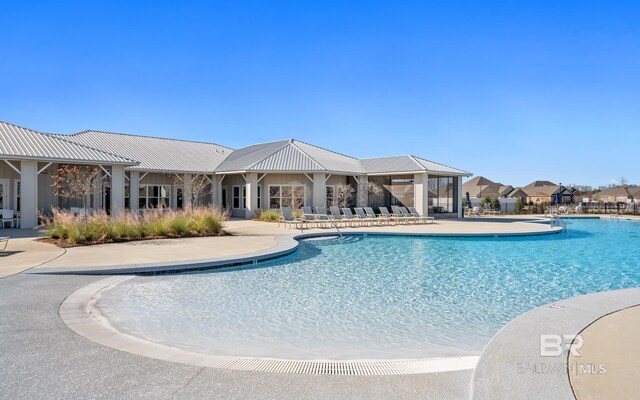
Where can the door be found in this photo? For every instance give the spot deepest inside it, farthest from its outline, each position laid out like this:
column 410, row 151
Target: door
column 4, row 193
column 224, row 197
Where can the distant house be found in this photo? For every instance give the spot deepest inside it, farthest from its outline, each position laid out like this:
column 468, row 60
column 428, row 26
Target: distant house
column 618, row 194
column 546, row 192
column 481, row 187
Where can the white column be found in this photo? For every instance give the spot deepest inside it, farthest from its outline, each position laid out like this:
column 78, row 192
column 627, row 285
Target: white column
column 362, row 193
column 134, row 191
column 319, row 190
column 186, row 191
column 459, row 196
column 252, row 195
column 421, row 193
column 117, row 189
column 28, row 194
column 213, row 200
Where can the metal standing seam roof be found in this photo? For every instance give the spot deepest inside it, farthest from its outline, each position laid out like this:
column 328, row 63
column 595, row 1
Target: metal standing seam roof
column 157, row 154
column 407, row 164
column 19, row 143
column 289, row 156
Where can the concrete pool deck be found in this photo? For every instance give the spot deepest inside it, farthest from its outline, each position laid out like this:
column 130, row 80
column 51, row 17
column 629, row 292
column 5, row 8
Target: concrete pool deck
column 246, row 237
column 43, row 358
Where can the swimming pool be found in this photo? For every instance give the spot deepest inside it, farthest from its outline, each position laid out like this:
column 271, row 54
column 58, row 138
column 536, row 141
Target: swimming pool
column 375, row 297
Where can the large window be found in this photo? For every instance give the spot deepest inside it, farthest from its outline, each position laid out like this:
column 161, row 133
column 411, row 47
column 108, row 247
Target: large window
column 16, row 194
column 286, row 196
column 154, row 196
column 442, row 195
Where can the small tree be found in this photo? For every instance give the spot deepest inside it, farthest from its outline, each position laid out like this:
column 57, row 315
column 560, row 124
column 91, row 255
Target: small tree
column 197, row 185
column 343, row 194
column 74, row 182
column 519, row 206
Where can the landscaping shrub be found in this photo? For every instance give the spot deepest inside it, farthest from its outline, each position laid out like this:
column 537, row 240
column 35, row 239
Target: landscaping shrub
column 69, row 229
column 270, row 216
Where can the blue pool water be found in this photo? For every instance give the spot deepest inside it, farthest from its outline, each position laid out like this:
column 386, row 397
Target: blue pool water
column 376, row 297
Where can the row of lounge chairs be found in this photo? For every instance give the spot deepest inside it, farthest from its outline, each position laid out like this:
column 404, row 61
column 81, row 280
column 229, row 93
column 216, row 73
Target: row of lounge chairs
column 364, row 216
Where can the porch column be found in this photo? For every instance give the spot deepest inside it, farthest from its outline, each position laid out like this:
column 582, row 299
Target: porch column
column 186, row 191
column 117, row 189
column 319, row 190
column 252, row 195
column 421, row 193
column 215, row 186
column 28, row 194
column 219, row 200
column 459, row 196
column 134, row 191
column 362, row 193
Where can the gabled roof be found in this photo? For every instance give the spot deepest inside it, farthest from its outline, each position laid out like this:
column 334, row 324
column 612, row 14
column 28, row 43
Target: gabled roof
column 619, row 191
column 20, row 143
column 482, row 187
column 288, row 156
column 541, row 188
column 157, row 154
column 407, row 164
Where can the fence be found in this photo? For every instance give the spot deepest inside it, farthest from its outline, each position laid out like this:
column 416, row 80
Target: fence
column 508, row 207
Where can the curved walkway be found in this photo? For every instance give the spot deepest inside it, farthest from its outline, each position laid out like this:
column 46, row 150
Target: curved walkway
column 608, row 364
column 513, row 365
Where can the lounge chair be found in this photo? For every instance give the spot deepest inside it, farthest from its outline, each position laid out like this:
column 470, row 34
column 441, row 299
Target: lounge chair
column 288, row 218
column 335, row 214
column 474, row 211
column 309, row 217
column 4, row 241
column 405, row 213
column 386, row 214
column 398, row 213
column 363, row 216
column 489, row 210
column 348, row 216
column 422, row 218
column 372, row 216
column 6, row 216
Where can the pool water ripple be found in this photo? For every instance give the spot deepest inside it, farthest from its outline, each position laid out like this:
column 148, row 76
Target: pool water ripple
column 376, row 297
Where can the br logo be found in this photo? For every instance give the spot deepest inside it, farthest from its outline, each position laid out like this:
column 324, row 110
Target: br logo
column 555, row 345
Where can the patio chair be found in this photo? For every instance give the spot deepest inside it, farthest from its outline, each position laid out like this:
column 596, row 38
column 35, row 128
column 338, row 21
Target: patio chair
column 362, row 216
column 398, row 214
column 4, row 241
column 348, row 216
column 309, row 217
column 489, row 210
column 335, row 214
column 7, row 216
column 372, row 215
column 405, row 213
column 287, row 218
column 423, row 218
column 386, row 214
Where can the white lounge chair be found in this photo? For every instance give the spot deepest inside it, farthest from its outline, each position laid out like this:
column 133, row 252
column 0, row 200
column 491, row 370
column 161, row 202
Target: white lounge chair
column 489, row 210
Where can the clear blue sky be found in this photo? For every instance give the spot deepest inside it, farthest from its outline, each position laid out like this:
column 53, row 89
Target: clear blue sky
column 514, row 92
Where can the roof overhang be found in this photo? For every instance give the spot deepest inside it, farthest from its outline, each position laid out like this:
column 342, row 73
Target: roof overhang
column 66, row 160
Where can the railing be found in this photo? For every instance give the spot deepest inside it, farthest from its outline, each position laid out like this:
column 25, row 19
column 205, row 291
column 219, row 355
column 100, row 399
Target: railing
column 554, row 219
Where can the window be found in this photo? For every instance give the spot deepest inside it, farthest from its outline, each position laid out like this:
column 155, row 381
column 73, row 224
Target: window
column 224, row 197
column 16, row 194
column 441, row 195
column 286, row 196
column 239, row 194
column 4, row 193
column 402, row 192
column 127, row 203
column 331, row 196
column 259, row 197
column 154, row 196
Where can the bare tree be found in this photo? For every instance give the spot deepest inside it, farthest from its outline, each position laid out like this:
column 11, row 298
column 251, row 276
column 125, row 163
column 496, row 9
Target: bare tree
column 75, row 182
column 623, row 181
column 197, row 185
column 343, row 194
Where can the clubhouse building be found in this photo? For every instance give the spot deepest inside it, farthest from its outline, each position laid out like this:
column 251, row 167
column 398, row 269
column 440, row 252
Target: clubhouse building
column 142, row 173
